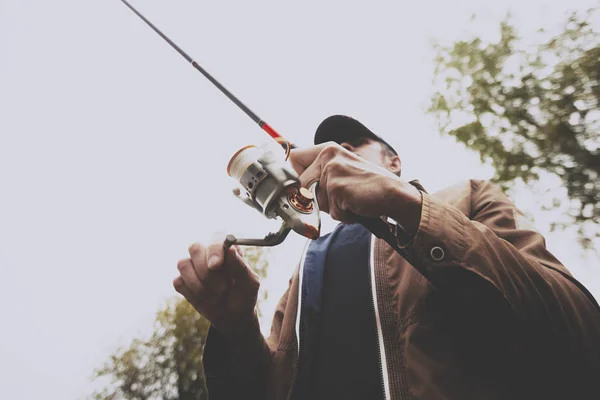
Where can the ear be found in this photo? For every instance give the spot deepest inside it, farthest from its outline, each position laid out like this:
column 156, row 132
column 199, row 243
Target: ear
column 395, row 164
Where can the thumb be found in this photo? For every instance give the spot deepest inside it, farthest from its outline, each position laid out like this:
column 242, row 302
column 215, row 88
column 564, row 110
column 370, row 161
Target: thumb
column 310, row 175
column 302, row 158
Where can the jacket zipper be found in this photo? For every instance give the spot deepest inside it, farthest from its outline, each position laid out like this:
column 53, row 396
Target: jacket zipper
column 380, row 344
column 294, row 376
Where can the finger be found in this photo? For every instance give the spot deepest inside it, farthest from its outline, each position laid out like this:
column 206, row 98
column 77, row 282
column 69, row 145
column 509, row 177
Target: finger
column 239, row 271
column 302, row 158
column 237, row 257
column 238, row 249
column 215, row 252
column 314, row 171
column 322, row 195
column 183, row 289
column 314, row 174
column 310, row 175
column 198, row 258
column 213, row 282
column 189, row 276
column 342, row 216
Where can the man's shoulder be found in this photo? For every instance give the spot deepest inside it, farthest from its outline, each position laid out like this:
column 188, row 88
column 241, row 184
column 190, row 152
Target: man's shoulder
column 460, row 189
column 464, row 194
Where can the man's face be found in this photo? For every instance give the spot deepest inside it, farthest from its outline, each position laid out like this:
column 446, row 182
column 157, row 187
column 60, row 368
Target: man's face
column 368, row 149
column 374, row 152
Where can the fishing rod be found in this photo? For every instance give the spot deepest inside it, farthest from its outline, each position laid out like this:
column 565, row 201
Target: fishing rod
column 272, row 188
column 263, row 124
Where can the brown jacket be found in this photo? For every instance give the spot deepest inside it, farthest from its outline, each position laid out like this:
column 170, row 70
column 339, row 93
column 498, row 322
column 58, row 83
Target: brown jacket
column 498, row 316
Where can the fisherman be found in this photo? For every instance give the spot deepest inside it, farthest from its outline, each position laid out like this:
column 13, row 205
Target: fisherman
column 492, row 315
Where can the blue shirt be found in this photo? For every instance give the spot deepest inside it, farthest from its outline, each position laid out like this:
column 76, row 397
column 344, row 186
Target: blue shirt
column 339, row 355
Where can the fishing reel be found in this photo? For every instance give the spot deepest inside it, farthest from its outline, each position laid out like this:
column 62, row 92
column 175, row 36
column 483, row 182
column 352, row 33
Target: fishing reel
column 274, row 190
column 271, row 188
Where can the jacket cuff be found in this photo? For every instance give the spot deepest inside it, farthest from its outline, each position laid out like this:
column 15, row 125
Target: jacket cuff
column 230, row 356
column 440, row 239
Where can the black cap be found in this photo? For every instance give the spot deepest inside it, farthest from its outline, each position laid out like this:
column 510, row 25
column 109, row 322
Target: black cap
column 341, row 128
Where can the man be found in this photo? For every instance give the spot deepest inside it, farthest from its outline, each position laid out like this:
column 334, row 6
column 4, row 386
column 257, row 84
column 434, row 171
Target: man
column 484, row 311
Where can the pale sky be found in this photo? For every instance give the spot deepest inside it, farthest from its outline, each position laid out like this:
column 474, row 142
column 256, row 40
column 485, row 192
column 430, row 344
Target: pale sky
column 113, row 149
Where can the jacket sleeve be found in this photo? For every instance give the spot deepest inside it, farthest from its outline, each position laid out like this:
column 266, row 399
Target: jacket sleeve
column 492, row 262
column 237, row 368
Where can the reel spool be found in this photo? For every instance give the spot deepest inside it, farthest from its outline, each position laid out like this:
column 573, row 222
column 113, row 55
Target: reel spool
column 274, row 190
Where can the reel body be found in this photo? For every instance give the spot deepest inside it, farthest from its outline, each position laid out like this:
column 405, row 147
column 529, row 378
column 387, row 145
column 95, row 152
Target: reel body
column 274, row 190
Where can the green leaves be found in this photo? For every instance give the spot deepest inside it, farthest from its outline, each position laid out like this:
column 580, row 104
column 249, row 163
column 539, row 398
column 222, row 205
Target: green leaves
column 168, row 364
column 528, row 111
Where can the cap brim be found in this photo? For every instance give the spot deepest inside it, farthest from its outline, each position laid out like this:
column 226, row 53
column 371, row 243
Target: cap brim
column 341, row 128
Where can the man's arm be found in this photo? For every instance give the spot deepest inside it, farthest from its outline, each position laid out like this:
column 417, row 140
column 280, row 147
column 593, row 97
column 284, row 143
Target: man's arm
column 490, row 262
column 467, row 257
column 237, row 367
column 223, row 288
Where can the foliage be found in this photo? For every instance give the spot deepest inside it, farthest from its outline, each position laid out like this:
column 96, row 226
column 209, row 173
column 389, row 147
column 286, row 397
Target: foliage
column 168, row 365
column 529, row 111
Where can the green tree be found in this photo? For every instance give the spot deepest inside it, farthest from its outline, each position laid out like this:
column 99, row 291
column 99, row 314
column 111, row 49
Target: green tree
column 530, row 110
column 168, row 364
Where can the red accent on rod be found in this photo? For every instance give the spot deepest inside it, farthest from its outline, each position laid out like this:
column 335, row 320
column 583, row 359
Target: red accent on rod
column 272, row 132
